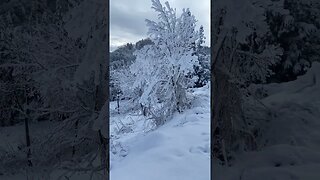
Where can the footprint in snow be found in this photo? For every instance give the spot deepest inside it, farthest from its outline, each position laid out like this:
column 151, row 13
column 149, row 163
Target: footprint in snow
column 207, row 137
column 204, row 133
column 177, row 153
column 200, row 149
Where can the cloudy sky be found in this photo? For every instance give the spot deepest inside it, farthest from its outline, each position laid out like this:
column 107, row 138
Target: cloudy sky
column 127, row 18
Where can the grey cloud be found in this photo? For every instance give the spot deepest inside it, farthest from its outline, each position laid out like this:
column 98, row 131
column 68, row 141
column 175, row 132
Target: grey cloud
column 127, row 18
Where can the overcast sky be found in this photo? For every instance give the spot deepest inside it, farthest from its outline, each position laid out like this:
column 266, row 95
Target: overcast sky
column 127, row 18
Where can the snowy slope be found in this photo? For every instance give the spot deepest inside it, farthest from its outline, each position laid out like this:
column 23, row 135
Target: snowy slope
column 290, row 144
column 179, row 150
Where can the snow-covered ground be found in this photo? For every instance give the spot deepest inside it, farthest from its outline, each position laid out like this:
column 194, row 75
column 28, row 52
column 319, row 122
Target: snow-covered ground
column 178, row 150
column 290, row 142
column 14, row 136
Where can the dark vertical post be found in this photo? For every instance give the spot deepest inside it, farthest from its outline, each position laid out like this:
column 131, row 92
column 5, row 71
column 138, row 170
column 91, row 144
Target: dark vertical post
column 118, row 103
column 26, row 123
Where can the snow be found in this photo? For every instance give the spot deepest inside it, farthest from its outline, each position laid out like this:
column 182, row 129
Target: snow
column 180, row 149
column 14, row 136
column 290, row 143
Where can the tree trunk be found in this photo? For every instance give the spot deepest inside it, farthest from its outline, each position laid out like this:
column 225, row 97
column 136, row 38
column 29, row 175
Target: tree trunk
column 101, row 98
column 118, row 104
column 76, row 136
column 104, row 152
column 26, row 123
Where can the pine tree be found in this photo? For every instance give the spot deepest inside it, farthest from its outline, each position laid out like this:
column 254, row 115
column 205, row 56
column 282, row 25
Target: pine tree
column 202, row 71
column 295, row 25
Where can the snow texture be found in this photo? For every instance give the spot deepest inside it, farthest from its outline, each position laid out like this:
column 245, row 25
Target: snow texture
column 291, row 139
column 180, row 149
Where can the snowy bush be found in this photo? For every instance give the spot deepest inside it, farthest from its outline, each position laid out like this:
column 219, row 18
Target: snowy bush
column 161, row 68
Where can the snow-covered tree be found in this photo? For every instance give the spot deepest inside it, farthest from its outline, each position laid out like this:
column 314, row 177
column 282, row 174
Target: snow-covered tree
column 295, row 25
column 202, row 71
column 55, row 70
column 241, row 57
column 161, row 69
column 120, row 75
